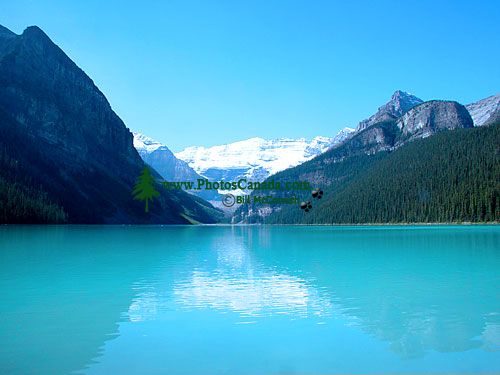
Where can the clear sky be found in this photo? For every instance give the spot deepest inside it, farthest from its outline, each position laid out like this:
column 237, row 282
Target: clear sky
column 212, row 72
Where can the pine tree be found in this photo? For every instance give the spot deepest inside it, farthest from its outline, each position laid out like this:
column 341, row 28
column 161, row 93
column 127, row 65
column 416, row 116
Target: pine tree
column 144, row 189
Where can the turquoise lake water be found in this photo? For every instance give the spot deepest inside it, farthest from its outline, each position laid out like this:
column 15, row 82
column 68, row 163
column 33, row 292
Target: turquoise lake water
column 249, row 300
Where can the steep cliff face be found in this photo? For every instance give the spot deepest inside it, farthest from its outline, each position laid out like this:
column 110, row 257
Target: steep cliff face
column 378, row 137
column 54, row 100
column 431, row 117
column 64, row 137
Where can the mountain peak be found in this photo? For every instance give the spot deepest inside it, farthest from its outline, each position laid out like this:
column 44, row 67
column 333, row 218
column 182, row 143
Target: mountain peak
column 35, row 32
column 402, row 95
column 34, row 29
column 145, row 143
column 400, row 103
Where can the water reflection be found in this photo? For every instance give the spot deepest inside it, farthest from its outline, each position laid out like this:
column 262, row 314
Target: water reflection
column 88, row 297
column 229, row 278
column 64, row 290
column 418, row 291
column 491, row 337
column 239, row 282
column 254, row 295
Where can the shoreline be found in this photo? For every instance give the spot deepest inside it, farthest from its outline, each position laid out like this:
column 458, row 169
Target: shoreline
column 493, row 224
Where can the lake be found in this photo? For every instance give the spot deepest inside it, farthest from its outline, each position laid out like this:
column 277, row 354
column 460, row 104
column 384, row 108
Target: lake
column 249, row 299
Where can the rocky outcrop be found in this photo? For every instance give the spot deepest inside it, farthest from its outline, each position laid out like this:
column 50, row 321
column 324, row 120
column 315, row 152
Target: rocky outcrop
column 431, row 117
column 65, row 137
column 377, row 137
column 421, row 121
column 400, row 103
column 486, row 111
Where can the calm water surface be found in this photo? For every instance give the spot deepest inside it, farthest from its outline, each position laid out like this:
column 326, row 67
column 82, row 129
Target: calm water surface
column 249, row 300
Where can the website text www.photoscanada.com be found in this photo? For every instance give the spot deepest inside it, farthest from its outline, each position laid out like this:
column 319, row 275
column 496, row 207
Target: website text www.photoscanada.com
column 242, row 184
column 232, row 192
column 228, row 188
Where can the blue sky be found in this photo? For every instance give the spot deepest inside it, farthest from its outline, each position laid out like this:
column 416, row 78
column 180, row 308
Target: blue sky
column 211, row 72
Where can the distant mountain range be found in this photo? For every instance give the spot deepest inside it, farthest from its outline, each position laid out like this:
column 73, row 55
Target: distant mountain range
column 257, row 158
column 65, row 156
column 403, row 119
column 254, row 159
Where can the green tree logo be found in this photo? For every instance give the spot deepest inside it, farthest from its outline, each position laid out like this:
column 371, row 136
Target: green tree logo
column 144, row 189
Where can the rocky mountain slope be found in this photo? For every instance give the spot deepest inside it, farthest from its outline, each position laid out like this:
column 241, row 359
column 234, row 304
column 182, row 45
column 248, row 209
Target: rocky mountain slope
column 62, row 146
column 451, row 176
column 485, row 111
column 340, row 166
column 431, row 117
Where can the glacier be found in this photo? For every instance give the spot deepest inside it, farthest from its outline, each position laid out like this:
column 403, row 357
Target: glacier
column 256, row 158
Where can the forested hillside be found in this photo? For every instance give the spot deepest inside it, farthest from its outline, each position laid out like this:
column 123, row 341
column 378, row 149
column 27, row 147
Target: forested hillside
column 453, row 176
column 22, row 201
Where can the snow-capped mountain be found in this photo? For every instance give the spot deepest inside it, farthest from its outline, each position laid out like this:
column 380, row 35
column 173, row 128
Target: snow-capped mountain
column 485, row 111
column 342, row 136
column 400, row 103
column 256, row 158
column 163, row 160
column 144, row 144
